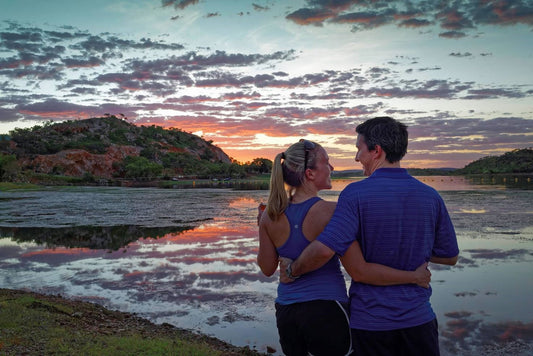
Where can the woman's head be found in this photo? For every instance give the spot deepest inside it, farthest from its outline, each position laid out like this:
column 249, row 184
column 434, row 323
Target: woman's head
column 296, row 159
column 289, row 168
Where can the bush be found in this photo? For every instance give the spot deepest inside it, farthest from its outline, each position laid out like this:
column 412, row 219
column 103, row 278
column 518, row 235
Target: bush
column 8, row 167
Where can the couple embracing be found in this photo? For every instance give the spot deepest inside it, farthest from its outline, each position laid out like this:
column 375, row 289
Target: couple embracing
column 383, row 229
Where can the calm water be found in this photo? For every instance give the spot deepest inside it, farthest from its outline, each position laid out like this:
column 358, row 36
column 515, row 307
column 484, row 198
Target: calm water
column 187, row 257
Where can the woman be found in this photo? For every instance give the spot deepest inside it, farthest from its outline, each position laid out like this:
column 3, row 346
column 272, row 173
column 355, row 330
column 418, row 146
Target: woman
column 310, row 312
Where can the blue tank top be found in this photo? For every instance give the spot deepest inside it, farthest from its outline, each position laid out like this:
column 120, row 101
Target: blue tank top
column 325, row 283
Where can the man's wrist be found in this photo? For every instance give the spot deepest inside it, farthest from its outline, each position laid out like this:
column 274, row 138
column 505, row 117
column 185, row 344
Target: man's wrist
column 289, row 272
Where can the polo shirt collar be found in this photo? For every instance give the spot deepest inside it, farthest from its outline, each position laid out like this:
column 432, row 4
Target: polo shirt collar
column 390, row 173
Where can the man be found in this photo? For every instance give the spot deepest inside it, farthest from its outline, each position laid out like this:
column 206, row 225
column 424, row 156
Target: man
column 397, row 221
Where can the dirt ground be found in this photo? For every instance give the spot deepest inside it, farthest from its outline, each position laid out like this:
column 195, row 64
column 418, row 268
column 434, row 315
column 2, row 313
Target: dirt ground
column 99, row 320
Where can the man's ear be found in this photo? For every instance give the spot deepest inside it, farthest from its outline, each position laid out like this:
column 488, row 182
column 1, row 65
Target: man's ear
column 378, row 152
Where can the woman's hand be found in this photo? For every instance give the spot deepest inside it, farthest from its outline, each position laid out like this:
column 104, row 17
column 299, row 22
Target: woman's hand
column 260, row 210
column 423, row 275
column 284, row 262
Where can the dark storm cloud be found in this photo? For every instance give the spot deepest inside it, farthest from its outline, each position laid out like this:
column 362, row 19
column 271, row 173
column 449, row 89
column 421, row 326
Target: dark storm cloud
column 454, row 18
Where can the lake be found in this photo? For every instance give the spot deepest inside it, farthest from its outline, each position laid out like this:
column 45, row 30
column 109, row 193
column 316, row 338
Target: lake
column 187, row 257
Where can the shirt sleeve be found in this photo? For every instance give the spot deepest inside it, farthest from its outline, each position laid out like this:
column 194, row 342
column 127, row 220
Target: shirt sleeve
column 343, row 227
column 445, row 239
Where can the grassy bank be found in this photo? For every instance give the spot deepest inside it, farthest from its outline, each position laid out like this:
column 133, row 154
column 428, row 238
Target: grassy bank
column 12, row 186
column 36, row 324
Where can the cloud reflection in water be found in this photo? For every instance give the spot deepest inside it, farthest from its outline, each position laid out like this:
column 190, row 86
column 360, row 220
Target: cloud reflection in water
column 203, row 275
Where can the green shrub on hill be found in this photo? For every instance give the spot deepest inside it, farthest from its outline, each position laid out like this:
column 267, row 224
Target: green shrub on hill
column 516, row 161
column 163, row 152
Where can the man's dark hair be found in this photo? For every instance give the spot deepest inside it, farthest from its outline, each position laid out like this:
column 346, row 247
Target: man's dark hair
column 389, row 134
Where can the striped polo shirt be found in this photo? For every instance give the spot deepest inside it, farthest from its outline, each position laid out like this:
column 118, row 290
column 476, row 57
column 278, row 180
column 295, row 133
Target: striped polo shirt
column 399, row 222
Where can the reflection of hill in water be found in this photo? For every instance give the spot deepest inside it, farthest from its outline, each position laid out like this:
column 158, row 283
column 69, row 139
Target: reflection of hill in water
column 516, row 181
column 92, row 237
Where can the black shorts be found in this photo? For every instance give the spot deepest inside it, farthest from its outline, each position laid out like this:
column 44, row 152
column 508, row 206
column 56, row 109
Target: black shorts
column 318, row 327
column 418, row 340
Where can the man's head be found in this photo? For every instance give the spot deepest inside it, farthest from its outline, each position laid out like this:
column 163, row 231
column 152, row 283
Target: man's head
column 389, row 134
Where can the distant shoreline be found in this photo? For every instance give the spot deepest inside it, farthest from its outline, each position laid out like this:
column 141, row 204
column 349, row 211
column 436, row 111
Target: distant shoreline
column 252, row 183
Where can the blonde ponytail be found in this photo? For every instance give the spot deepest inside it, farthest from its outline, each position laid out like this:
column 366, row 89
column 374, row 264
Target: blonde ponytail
column 277, row 200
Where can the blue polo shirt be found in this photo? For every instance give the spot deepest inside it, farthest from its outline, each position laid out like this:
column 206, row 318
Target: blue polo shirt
column 399, row 222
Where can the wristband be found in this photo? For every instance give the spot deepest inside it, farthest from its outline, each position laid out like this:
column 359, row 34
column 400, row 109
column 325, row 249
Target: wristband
column 289, row 272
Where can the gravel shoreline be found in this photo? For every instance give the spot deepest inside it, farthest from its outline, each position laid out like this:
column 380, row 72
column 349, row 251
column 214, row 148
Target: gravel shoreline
column 99, row 320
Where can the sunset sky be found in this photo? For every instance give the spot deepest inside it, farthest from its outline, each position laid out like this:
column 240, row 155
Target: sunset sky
column 256, row 76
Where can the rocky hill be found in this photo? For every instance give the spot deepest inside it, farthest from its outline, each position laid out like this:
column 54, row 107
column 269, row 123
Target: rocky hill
column 110, row 147
column 515, row 161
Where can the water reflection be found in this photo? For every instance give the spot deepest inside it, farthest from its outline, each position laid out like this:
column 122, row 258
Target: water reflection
column 515, row 181
column 199, row 271
column 91, row 237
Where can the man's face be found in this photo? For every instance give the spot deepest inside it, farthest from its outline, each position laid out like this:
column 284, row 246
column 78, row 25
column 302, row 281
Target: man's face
column 363, row 155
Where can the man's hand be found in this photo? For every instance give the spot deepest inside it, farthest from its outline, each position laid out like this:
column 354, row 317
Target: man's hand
column 283, row 264
column 423, row 275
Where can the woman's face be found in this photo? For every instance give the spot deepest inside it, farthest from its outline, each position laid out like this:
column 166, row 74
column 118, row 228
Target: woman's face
column 322, row 170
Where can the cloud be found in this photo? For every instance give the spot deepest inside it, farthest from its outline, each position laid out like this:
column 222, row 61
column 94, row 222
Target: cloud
column 310, row 16
column 260, row 7
column 467, row 332
column 179, row 4
column 497, row 254
column 222, row 91
column 415, row 23
column 55, row 109
column 452, row 34
column 83, row 62
column 459, row 54
column 459, row 16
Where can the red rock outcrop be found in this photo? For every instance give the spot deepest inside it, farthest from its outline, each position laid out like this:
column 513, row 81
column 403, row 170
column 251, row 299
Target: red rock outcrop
column 78, row 162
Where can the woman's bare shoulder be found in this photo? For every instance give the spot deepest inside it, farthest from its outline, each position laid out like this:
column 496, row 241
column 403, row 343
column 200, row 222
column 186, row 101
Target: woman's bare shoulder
column 326, row 206
column 278, row 230
column 323, row 209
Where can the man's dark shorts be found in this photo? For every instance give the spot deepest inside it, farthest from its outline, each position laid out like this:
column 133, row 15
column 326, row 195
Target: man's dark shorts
column 319, row 327
column 418, row 340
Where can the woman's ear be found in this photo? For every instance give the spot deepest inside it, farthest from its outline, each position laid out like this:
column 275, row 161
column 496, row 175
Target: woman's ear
column 309, row 174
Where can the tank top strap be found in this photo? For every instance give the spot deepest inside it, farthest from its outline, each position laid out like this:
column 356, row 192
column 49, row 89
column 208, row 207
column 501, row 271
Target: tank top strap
column 296, row 212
